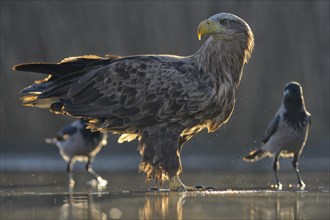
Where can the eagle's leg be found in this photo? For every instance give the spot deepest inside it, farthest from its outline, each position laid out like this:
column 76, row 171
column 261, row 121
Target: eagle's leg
column 175, row 181
column 160, row 150
column 301, row 185
column 69, row 171
column 275, row 169
column 177, row 185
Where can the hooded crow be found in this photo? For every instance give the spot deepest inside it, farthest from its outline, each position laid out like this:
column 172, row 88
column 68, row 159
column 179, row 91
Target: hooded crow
column 77, row 143
column 287, row 133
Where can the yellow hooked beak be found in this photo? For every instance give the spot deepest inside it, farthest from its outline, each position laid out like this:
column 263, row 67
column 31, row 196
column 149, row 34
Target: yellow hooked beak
column 208, row 27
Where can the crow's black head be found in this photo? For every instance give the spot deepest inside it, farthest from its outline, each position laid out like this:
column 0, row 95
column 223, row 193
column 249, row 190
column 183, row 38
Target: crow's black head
column 293, row 89
column 89, row 135
column 293, row 96
column 294, row 105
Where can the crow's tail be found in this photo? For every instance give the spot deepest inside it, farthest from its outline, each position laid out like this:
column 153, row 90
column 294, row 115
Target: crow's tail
column 50, row 140
column 255, row 155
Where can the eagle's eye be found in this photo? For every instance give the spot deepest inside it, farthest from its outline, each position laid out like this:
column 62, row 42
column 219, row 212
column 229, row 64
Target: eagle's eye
column 223, row 22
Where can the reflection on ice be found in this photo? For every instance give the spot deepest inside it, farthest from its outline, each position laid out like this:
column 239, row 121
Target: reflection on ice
column 138, row 204
column 240, row 204
column 80, row 206
column 275, row 208
column 163, row 205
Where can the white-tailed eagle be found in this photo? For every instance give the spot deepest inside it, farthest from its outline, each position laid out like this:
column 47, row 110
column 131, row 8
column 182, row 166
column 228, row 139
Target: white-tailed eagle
column 162, row 100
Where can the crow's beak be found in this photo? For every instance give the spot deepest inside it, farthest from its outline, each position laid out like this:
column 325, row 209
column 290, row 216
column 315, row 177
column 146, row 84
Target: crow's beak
column 287, row 93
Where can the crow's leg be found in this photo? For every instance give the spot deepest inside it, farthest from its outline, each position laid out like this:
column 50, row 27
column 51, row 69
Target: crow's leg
column 69, row 169
column 301, row 185
column 276, row 167
column 91, row 171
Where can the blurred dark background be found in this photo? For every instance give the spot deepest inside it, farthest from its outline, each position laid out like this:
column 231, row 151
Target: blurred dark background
column 291, row 43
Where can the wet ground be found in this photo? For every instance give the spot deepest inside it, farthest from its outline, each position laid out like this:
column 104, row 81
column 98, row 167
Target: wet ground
column 246, row 195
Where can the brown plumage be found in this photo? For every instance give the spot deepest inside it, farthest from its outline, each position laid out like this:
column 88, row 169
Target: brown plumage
column 163, row 100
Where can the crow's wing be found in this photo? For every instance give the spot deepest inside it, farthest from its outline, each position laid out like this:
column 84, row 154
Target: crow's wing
column 272, row 128
column 309, row 121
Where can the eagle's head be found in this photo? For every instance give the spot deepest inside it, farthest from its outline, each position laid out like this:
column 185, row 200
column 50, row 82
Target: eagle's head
column 230, row 28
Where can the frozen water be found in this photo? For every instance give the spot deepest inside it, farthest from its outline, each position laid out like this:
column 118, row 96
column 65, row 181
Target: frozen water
column 237, row 196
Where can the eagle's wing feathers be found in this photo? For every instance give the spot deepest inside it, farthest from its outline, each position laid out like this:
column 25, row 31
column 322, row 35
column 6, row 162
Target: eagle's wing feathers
column 135, row 90
column 67, row 65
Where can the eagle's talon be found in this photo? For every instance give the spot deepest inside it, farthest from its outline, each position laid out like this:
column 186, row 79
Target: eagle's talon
column 183, row 188
column 209, row 188
column 153, row 189
column 199, row 188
